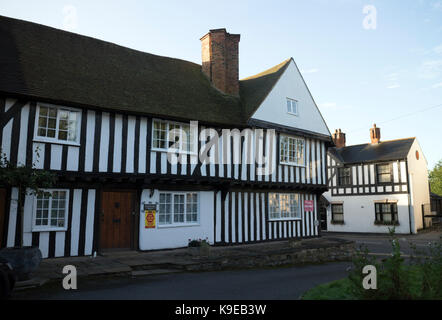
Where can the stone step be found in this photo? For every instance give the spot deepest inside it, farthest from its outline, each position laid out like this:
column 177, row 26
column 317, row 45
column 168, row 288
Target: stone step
column 151, row 272
column 158, row 266
column 32, row 283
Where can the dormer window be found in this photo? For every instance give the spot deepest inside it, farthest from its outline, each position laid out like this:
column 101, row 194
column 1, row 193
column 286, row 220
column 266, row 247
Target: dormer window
column 292, row 106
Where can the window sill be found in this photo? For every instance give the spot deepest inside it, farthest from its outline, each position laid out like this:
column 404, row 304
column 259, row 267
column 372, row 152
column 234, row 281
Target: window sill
column 284, row 219
column 292, row 164
column 381, row 223
column 37, row 229
column 293, row 114
column 165, row 226
column 62, row 142
column 174, row 152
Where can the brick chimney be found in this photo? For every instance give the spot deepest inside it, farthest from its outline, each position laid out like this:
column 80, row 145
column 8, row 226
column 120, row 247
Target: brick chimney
column 339, row 138
column 375, row 134
column 219, row 50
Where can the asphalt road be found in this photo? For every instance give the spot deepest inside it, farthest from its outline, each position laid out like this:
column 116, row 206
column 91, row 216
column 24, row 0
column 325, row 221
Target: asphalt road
column 273, row 284
column 264, row 284
column 379, row 244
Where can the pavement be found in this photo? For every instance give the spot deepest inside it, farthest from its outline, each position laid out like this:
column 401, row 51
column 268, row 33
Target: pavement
column 138, row 263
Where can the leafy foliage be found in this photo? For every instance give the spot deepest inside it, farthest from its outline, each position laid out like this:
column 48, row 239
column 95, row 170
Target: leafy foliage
column 420, row 278
column 199, row 243
column 435, row 177
column 396, row 280
column 26, row 179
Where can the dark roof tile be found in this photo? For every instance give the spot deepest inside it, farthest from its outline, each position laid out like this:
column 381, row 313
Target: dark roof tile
column 53, row 65
column 383, row 151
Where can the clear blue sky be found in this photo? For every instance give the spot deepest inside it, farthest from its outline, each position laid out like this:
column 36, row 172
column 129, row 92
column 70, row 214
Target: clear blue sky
column 357, row 76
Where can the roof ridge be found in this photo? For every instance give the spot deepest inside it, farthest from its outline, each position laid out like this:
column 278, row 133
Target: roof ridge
column 55, row 29
column 368, row 143
column 268, row 71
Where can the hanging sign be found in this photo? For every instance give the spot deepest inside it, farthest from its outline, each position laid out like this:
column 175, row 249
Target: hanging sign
column 308, row 206
column 150, row 211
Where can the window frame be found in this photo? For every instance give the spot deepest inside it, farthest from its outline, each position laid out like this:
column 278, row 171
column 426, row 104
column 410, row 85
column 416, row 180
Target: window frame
column 36, row 228
column 394, row 214
column 289, row 163
column 333, row 220
column 340, row 183
column 179, row 224
column 285, row 218
column 179, row 151
column 55, row 140
column 291, row 100
column 390, row 166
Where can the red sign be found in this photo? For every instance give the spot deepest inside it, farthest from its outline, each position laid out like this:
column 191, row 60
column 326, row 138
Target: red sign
column 308, row 206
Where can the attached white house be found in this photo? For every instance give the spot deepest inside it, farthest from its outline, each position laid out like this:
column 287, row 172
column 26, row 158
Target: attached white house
column 377, row 185
column 100, row 116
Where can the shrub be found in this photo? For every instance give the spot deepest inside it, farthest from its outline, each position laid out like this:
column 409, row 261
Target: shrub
column 393, row 281
column 198, row 243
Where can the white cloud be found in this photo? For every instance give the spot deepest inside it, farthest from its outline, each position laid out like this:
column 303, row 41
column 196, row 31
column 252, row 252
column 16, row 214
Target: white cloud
column 437, row 85
column 393, row 86
column 70, row 19
column 430, row 69
column 313, row 70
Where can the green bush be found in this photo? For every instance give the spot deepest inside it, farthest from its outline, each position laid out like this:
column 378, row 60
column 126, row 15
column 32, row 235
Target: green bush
column 198, row 243
column 421, row 279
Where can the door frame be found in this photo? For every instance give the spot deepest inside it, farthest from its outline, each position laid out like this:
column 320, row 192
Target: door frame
column 135, row 241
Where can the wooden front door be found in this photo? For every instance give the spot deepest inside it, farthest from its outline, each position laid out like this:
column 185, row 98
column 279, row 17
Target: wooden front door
column 117, row 219
column 2, row 216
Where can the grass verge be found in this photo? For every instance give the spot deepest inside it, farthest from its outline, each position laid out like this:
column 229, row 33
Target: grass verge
column 342, row 289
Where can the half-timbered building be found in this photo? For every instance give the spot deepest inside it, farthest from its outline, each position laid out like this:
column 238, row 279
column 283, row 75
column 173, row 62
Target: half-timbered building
column 100, row 116
column 376, row 186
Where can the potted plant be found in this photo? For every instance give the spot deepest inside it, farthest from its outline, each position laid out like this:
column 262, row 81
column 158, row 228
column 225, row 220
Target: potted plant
column 24, row 259
column 199, row 247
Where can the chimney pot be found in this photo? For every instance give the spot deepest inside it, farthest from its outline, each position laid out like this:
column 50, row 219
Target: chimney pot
column 339, row 138
column 375, row 134
column 220, row 60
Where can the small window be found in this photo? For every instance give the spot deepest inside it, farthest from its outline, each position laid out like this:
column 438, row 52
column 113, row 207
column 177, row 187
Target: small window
column 384, row 174
column 292, row 106
column 344, row 176
column 291, row 150
column 386, row 213
column 284, row 206
column 173, row 136
column 57, row 124
column 50, row 210
column 337, row 213
column 178, row 209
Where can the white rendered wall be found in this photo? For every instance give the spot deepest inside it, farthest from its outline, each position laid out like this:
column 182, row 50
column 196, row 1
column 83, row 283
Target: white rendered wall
column 359, row 213
column 420, row 192
column 164, row 237
column 274, row 107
